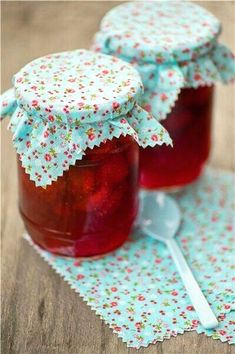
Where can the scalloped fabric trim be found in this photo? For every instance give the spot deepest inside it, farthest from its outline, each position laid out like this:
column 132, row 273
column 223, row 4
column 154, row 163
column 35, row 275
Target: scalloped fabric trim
column 162, row 87
column 48, row 147
column 163, row 82
column 64, row 103
column 137, row 291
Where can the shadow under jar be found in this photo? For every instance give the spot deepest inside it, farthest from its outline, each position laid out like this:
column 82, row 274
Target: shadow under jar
column 189, row 125
column 90, row 209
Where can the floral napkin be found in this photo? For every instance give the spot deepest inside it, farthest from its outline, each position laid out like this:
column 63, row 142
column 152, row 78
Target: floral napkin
column 137, row 290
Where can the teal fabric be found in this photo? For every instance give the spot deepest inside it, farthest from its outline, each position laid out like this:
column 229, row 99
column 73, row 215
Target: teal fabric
column 137, row 290
column 159, row 31
column 166, row 38
column 7, row 103
column 67, row 102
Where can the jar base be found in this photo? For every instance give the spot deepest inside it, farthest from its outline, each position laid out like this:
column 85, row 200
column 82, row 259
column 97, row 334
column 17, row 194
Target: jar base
column 63, row 252
column 90, row 245
column 71, row 248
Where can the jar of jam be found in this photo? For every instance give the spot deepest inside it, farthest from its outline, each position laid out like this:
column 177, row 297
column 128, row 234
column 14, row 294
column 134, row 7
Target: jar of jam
column 76, row 127
column 174, row 47
column 189, row 124
column 80, row 214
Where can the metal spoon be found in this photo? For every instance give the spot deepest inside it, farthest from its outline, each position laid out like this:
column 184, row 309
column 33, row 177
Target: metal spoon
column 160, row 218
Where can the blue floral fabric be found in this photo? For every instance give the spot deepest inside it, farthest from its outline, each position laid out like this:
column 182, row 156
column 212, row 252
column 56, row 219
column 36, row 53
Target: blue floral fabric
column 172, row 44
column 67, row 102
column 137, row 291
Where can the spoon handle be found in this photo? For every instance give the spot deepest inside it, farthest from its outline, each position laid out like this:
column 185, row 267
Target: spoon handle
column 205, row 314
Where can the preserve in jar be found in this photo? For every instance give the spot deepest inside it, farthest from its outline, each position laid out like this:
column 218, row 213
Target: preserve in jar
column 76, row 127
column 189, row 125
column 174, row 47
column 88, row 201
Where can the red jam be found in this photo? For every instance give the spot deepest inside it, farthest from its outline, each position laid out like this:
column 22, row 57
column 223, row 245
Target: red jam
column 90, row 209
column 189, row 125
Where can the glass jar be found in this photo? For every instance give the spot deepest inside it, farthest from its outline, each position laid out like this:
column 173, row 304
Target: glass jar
column 76, row 127
column 174, row 46
column 189, row 125
column 90, row 209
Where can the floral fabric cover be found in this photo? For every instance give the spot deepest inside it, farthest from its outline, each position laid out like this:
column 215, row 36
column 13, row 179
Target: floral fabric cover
column 172, row 45
column 137, row 290
column 64, row 103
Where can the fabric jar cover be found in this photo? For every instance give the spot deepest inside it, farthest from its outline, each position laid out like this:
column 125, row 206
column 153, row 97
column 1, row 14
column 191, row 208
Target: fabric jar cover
column 172, row 45
column 64, row 103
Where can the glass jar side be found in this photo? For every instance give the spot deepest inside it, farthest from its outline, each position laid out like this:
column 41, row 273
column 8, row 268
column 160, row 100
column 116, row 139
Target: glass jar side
column 90, row 209
column 189, row 125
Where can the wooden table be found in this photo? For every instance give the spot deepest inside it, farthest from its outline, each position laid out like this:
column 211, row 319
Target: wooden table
column 40, row 313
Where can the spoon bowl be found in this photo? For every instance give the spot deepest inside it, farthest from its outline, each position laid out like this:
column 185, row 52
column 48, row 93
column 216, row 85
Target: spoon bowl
column 160, row 216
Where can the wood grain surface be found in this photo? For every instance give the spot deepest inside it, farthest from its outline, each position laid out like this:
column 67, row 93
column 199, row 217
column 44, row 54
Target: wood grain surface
column 40, row 313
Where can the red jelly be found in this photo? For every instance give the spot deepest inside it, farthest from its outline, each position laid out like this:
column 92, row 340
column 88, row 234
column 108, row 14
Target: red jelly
column 189, row 125
column 91, row 208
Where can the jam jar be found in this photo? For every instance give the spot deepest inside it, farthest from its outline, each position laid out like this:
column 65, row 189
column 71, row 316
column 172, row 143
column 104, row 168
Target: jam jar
column 80, row 214
column 174, row 47
column 189, row 124
column 76, row 128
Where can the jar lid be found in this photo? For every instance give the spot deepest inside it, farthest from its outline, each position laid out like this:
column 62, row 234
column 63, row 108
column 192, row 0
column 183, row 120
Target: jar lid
column 67, row 102
column 171, row 44
column 159, row 31
column 77, row 85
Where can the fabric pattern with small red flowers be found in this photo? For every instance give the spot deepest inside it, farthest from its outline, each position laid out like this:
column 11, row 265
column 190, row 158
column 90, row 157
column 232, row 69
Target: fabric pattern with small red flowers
column 137, row 291
column 171, row 44
column 67, row 102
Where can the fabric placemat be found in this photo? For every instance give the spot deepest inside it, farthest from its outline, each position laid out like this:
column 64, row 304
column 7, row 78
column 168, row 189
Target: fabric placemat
column 137, row 291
